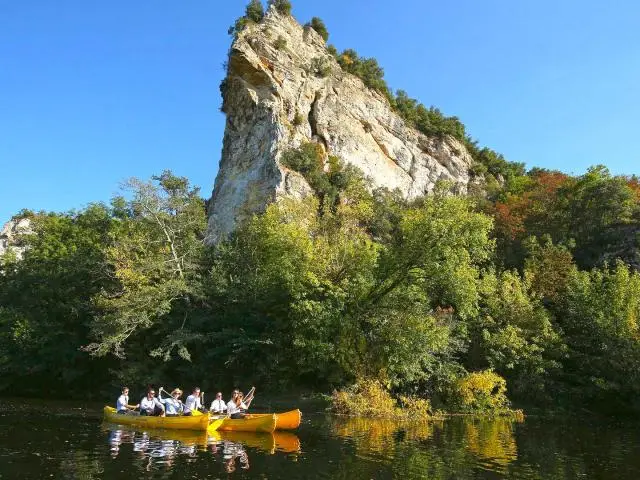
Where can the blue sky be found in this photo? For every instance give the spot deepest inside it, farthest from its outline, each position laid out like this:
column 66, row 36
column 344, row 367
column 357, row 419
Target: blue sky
column 94, row 92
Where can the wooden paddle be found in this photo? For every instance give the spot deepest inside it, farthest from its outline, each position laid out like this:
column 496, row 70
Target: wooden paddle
column 249, row 397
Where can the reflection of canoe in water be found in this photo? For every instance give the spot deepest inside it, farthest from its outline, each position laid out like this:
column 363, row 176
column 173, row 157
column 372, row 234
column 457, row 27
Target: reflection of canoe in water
column 284, row 421
column 263, row 423
column 199, row 422
column 185, row 437
column 286, row 442
column 267, row 442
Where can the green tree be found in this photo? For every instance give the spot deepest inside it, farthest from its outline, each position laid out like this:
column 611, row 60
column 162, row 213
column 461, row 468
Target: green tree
column 254, row 11
column 600, row 321
column 318, row 25
column 154, row 252
column 514, row 335
column 597, row 204
column 282, row 6
column 46, row 310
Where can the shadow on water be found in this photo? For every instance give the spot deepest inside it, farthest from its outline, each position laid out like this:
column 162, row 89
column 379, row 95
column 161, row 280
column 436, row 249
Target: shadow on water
column 54, row 440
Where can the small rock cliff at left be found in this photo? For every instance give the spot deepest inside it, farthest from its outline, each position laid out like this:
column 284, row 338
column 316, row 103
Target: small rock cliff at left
column 11, row 236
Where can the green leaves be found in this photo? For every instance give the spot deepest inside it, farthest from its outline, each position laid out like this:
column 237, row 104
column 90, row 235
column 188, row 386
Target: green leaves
column 282, row 6
column 154, row 252
column 318, row 25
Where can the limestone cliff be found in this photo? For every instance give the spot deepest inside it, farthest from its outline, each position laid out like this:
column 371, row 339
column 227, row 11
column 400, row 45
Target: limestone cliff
column 10, row 235
column 284, row 88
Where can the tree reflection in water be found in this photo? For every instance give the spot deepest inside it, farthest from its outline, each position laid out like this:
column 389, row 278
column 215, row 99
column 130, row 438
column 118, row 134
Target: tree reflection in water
column 428, row 448
column 491, row 440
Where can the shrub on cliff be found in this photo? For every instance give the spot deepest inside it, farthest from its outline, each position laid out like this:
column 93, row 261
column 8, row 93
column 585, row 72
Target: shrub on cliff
column 254, row 11
column 282, row 6
column 280, row 43
column 308, row 160
column 318, row 25
column 367, row 69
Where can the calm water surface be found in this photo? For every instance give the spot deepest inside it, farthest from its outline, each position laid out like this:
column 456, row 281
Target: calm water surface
column 53, row 440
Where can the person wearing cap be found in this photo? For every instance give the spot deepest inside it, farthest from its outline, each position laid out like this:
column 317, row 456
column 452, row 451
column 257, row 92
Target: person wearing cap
column 218, row 406
column 173, row 406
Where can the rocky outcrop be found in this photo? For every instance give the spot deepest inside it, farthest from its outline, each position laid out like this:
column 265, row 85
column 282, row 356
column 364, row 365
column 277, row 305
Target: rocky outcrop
column 10, row 236
column 284, row 88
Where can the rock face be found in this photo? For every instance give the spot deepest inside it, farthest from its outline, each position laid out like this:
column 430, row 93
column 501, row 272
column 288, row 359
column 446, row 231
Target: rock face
column 284, row 88
column 10, row 236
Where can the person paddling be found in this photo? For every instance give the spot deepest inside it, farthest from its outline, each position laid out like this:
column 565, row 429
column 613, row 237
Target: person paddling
column 236, row 408
column 150, row 405
column 193, row 402
column 218, row 406
column 173, row 406
column 122, row 404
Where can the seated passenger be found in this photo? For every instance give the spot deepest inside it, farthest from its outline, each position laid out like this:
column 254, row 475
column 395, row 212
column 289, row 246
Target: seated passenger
column 218, row 406
column 172, row 405
column 150, row 405
column 122, row 404
column 193, row 402
column 236, row 408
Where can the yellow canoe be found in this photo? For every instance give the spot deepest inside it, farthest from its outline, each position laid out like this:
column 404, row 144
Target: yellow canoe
column 284, row 421
column 265, row 423
column 199, row 422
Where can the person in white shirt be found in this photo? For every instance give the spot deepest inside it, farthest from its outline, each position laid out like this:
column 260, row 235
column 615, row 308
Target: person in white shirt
column 218, row 406
column 236, row 408
column 193, row 402
column 150, row 405
column 122, row 404
column 172, row 405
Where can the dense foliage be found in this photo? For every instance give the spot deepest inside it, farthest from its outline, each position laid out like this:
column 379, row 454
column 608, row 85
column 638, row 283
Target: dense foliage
column 528, row 288
column 455, row 301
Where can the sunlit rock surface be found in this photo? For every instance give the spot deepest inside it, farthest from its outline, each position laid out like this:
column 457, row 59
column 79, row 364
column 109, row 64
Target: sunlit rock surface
column 277, row 98
column 10, row 236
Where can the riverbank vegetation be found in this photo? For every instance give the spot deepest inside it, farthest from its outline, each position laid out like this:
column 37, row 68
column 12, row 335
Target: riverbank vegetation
column 464, row 303
column 526, row 290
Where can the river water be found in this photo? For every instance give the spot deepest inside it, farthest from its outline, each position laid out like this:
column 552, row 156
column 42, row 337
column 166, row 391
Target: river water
column 54, row 440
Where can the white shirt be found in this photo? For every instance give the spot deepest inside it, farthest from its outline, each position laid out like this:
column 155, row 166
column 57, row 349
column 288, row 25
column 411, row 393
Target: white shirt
column 146, row 404
column 218, row 406
column 233, row 408
column 123, row 401
column 192, row 403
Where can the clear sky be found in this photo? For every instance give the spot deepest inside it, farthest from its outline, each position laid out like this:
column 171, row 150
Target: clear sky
column 94, row 92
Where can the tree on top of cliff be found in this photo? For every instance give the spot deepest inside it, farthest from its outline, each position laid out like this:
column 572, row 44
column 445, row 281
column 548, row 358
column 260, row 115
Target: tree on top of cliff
column 254, row 11
column 282, row 6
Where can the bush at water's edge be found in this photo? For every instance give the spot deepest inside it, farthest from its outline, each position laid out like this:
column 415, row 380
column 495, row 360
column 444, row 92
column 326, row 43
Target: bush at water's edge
column 481, row 393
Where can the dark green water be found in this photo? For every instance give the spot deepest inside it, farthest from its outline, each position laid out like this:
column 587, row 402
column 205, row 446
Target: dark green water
column 53, row 440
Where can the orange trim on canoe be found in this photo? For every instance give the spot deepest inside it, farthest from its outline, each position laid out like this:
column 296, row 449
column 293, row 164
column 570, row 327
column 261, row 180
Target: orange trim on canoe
column 284, row 421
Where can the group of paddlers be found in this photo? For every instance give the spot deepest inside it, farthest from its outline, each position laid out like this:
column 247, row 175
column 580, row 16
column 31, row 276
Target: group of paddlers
column 172, row 405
